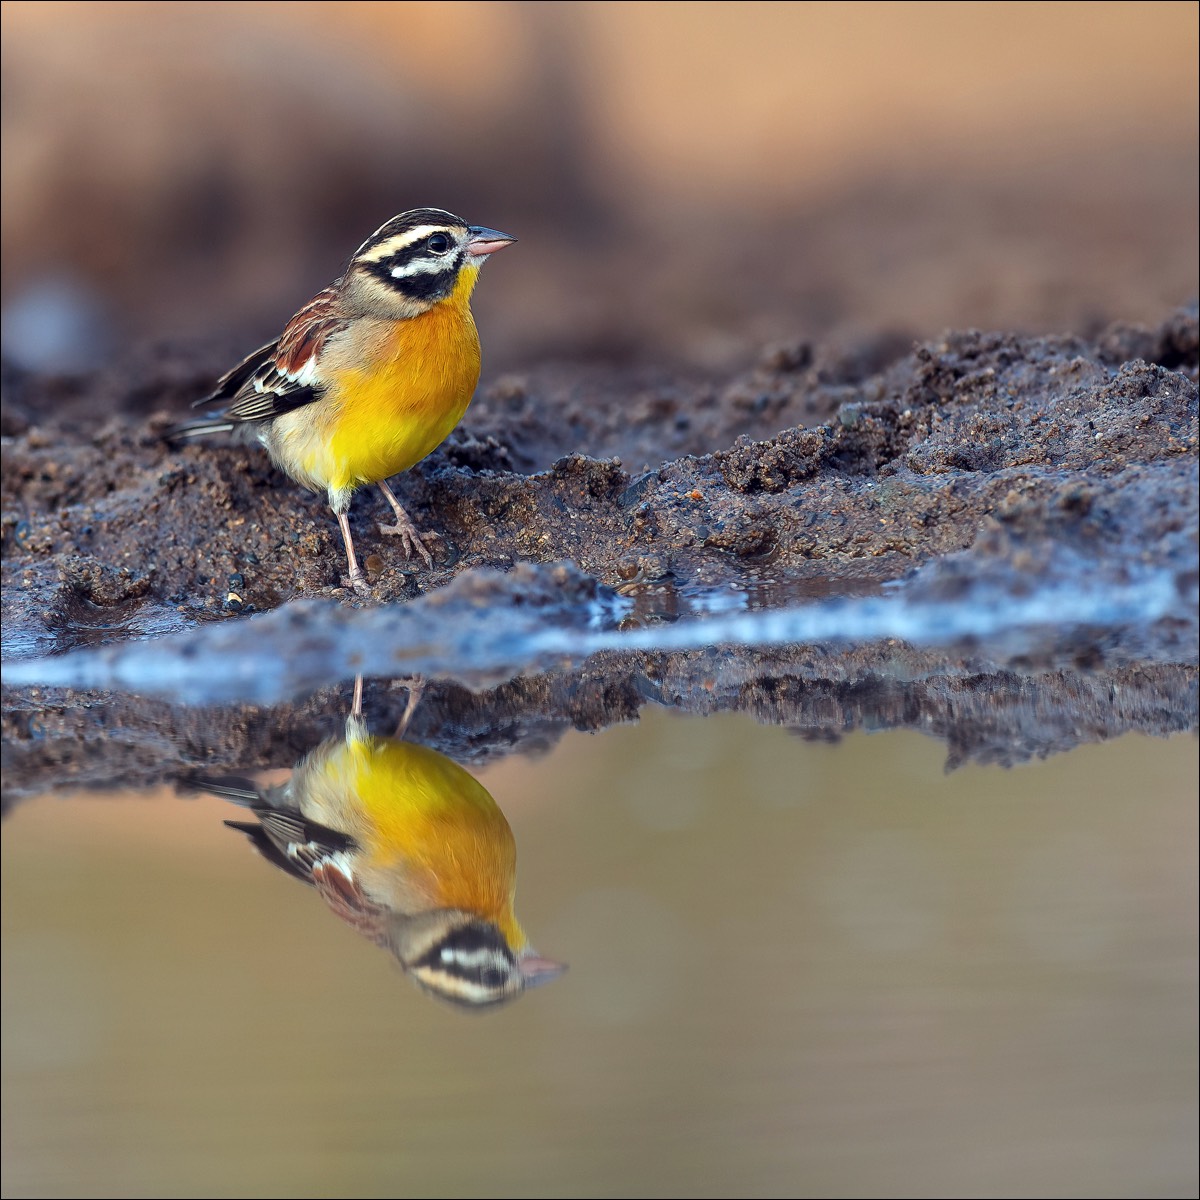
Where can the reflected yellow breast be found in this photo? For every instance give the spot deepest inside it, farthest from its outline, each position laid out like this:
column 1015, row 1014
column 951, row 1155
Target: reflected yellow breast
column 423, row 816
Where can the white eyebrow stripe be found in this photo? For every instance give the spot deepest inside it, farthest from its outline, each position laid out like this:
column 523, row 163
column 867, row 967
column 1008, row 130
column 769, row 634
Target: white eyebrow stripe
column 423, row 266
column 400, row 240
column 479, row 957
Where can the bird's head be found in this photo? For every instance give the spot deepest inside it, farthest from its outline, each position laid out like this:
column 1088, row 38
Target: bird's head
column 466, row 960
column 418, row 260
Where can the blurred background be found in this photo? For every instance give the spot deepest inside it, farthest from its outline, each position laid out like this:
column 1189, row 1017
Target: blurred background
column 687, row 180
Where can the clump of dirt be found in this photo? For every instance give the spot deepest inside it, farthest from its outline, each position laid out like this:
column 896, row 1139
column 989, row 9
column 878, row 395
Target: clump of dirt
column 868, row 464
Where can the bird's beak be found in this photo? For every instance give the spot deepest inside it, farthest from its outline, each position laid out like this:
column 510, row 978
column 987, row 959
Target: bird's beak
column 536, row 970
column 486, row 241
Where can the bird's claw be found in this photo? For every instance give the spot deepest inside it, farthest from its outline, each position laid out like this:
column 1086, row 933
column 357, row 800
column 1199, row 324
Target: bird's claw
column 411, row 540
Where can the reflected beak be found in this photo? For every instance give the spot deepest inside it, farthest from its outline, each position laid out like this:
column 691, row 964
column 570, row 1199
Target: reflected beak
column 536, row 970
column 486, row 241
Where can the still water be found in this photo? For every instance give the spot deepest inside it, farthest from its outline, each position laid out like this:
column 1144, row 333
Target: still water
column 796, row 968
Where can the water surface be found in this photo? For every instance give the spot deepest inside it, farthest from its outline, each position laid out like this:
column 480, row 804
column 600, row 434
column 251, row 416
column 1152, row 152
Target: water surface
column 797, row 968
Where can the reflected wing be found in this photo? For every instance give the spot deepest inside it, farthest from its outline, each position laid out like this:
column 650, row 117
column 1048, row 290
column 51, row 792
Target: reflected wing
column 320, row 857
column 267, row 848
column 285, row 838
column 343, row 895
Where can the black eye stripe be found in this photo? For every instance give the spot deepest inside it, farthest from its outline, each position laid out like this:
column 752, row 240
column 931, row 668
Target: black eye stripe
column 423, row 285
column 402, row 257
column 476, row 951
column 415, row 272
column 406, row 255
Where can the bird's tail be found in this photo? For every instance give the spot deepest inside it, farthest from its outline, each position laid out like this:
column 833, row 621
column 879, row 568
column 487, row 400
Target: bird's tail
column 227, row 787
column 269, row 850
column 187, row 431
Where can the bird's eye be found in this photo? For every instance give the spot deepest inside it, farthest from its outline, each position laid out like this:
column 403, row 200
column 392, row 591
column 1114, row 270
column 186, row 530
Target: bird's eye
column 439, row 243
column 493, row 978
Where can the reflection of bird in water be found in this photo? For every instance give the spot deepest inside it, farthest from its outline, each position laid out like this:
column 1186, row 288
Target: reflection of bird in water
column 372, row 374
column 407, row 848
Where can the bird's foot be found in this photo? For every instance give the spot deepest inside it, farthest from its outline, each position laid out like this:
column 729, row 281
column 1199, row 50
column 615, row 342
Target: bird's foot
column 416, row 687
column 358, row 581
column 411, row 539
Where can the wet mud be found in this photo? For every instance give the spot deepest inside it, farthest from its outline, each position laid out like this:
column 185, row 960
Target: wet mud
column 983, row 460
column 864, row 466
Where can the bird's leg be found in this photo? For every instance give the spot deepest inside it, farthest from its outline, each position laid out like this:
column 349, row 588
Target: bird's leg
column 410, row 537
column 356, row 727
column 416, row 688
column 358, row 581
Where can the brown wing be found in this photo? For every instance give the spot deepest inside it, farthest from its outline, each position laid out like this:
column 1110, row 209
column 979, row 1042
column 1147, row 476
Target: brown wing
column 318, row 856
column 282, row 375
column 348, row 901
column 284, row 837
column 233, row 381
column 307, row 330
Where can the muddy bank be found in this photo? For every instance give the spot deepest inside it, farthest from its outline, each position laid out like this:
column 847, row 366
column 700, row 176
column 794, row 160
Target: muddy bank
column 1049, row 483
column 868, row 463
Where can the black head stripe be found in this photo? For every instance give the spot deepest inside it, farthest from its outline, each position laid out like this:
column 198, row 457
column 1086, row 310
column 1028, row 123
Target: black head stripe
column 475, row 953
column 400, row 255
column 404, row 256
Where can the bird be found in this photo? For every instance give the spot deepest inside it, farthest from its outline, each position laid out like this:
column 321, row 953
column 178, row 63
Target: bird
column 371, row 375
column 407, row 848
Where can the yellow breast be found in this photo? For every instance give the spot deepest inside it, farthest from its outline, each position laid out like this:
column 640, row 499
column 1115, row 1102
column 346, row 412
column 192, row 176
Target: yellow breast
column 400, row 399
column 428, row 826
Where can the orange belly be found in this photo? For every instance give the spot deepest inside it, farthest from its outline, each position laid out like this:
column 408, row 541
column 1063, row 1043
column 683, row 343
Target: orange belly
column 379, row 418
column 426, row 818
